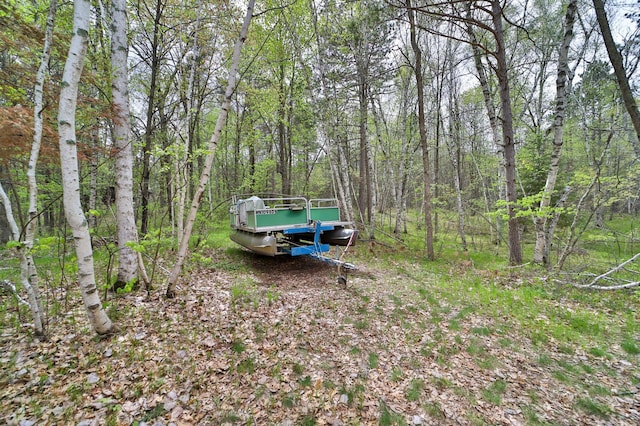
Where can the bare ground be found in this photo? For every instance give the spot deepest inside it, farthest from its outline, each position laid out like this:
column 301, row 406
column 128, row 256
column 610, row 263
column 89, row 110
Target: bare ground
column 277, row 341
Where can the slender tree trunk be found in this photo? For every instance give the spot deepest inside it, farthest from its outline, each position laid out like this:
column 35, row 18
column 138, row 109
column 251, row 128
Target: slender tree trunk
column 372, row 199
column 618, row 68
column 508, row 139
column 183, row 168
column 363, row 196
column 337, row 159
column 423, row 133
column 404, row 160
column 29, row 273
column 553, row 222
column 30, row 285
column 125, row 215
column 148, row 133
column 93, row 176
column 574, row 234
column 284, row 153
column 453, row 148
column 205, row 176
column 543, row 238
column 98, row 318
column 491, row 112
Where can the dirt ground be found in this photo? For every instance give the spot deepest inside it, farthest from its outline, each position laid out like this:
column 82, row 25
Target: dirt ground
column 277, row 341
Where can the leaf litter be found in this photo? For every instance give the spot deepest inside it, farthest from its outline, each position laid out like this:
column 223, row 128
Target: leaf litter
column 282, row 343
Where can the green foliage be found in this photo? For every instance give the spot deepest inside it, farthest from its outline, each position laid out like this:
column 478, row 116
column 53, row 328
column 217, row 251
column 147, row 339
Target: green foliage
column 128, row 287
column 14, row 245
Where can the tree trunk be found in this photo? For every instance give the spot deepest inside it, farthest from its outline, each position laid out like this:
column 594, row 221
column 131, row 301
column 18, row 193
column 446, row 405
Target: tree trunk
column 29, row 273
column 364, row 205
column 404, row 161
column 148, row 133
column 69, row 163
column 284, row 151
column 125, row 216
column 185, row 151
column 205, row 176
column 32, row 290
column 543, row 237
column 94, row 163
column 423, row 133
column 453, row 147
column 491, row 112
column 337, row 160
column 508, row 140
column 621, row 76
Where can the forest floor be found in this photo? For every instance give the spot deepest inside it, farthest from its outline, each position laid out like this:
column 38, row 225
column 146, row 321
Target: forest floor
column 278, row 341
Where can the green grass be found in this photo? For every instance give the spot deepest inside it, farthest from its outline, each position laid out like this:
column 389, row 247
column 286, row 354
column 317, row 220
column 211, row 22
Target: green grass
column 631, row 347
column 388, row 417
column 493, row 393
column 414, row 390
column 373, row 360
column 594, row 407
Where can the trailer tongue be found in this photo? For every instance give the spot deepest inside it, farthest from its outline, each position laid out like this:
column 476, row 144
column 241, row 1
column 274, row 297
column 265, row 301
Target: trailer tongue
column 292, row 225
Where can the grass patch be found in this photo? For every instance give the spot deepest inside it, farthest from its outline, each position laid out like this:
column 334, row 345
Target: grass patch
column 414, row 390
column 630, row 347
column 388, row 417
column 594, row 407
column 598, row 352
column 481, row 331
column 493, row 393
column 246, row 366
column 373, row 360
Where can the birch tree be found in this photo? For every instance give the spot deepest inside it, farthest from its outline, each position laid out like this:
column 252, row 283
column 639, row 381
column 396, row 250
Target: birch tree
column 98, row 318
column 125, row 219
column 29, row 274
column 563, row 79
column 213, row 142
column 25, row 278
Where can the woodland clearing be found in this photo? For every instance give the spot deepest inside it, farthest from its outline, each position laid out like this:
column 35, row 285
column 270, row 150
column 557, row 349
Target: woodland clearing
column 253, row 340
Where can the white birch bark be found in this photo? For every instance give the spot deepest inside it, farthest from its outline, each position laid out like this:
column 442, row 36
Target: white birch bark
column 98, row 318
column 344, row 182
column 30, row 273
column 213, row 142
column 32, row 290
column 125, row 218
column 543, row 239
column 182, row 153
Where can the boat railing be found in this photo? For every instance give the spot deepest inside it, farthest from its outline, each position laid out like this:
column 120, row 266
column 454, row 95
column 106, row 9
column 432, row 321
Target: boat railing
column 323, row 202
